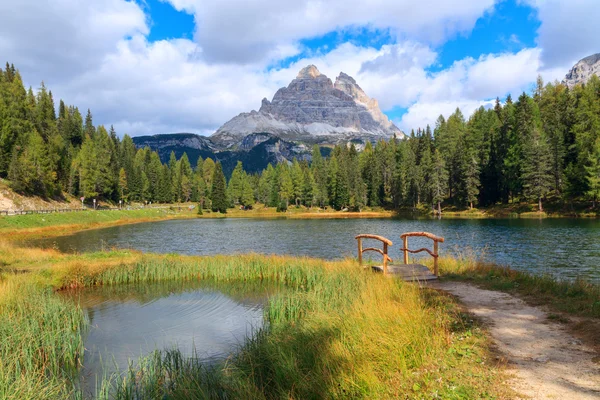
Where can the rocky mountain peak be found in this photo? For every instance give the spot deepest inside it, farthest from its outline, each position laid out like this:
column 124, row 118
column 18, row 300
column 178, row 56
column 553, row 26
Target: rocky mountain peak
column 308, row 72
column 343, row 77
column 583, row 71
column 313, row 109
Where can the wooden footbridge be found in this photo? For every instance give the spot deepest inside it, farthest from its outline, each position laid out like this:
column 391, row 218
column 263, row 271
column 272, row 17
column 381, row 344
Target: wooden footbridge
column 406, row 271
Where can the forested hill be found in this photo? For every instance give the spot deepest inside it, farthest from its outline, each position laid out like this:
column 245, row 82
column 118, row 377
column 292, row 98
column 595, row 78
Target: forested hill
column 538, row 146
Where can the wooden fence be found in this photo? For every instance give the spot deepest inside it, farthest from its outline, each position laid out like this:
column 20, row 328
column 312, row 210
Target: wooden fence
column 63, row 210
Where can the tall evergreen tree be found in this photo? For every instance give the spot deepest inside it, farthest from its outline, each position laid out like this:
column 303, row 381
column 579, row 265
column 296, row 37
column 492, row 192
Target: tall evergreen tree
column 537, row 168
column 219, row 190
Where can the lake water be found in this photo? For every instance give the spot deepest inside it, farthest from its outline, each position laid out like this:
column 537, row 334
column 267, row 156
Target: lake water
column 129, row 321
column 566, row 248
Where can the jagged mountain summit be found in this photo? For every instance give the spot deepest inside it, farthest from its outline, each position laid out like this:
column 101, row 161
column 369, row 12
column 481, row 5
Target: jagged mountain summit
column 583, row 71
column 313, row 109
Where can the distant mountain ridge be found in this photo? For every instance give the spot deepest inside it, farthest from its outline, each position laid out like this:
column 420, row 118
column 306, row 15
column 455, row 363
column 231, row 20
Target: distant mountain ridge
column 256, row 151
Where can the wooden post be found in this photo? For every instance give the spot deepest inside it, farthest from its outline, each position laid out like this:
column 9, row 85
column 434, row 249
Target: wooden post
column 435, row 258
column 359, row 251
column 385, row 257
column 405, row 239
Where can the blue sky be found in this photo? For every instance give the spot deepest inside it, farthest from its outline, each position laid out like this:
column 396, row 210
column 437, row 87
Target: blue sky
column 157, row 66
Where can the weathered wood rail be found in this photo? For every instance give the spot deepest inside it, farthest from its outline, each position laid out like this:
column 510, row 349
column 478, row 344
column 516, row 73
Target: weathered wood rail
column 434, row 253
column 406, row 271
column 384, row 252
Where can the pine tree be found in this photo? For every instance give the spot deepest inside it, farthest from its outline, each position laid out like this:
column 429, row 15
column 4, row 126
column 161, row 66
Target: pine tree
column 184, row 178
column 218, row 190
column 200, row 183
column 235, row 188
column 297, row 181
column 286, row 186
column 319, row 170
column 30, row 171
column 123, row 184
column 438, row 181
column 593, row 173
column 208, row 169
column 537, row 168
column 264, row 185
column 247, row 197
column 89, row 128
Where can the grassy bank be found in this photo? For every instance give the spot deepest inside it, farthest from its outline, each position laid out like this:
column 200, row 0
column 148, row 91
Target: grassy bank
column 553, row 208
column 577, row 298
column 32, row 225
column 339, row 332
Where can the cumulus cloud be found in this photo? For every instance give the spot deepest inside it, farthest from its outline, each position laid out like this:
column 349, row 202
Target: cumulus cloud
column 568, row 32
column 422, row 114
column 469, row 84
column 60, row 39
column 243, row 31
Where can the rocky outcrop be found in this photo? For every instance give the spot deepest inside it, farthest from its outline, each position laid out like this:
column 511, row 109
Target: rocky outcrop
column 187, row 140
column 315, row 110
column 583, row 71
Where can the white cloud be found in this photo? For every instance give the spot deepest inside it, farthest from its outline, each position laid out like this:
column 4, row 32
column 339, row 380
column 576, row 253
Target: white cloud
column 56, row 40
column 569, row 30
column 422, row 114
column 245, row 31
column 469, row 84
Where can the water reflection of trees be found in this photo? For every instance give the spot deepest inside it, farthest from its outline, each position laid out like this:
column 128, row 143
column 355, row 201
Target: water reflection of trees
column 246, row 293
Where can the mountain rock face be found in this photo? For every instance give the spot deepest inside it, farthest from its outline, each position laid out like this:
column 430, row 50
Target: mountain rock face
column 583, row 70
column 312, row 109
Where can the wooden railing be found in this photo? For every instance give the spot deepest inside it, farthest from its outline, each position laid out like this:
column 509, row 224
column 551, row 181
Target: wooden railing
column 434, row 253
column 384, row 252
column 64, row 210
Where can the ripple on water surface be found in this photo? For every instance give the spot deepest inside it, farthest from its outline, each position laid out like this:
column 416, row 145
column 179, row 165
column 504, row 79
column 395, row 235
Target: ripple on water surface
column 127, row 322
column 566, row 248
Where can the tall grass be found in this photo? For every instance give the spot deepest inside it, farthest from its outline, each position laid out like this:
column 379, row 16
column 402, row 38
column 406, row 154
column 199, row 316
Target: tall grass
column 40, row 342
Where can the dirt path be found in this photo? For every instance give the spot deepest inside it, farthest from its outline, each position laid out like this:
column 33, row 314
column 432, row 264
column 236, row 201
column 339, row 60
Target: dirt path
column 548, row 362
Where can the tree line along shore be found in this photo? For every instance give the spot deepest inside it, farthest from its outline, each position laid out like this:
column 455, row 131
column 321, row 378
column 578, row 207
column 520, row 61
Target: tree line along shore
column 542, row 147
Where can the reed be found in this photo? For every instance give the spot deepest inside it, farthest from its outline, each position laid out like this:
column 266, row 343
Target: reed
column 40, row 342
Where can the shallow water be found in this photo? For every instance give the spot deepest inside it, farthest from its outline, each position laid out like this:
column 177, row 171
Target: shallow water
column 129, row 321
column 566, row 248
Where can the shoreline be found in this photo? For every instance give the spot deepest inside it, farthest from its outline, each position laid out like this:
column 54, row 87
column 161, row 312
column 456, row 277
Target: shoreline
column 18, row 227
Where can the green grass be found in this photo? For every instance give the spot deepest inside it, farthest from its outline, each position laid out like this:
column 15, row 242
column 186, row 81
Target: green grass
column 576, row 297
column 42, row 223
column 337, row 331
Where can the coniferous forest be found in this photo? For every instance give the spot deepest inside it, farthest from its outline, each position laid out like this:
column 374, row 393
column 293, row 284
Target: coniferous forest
column 543, row 145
